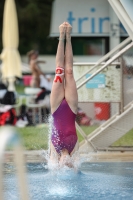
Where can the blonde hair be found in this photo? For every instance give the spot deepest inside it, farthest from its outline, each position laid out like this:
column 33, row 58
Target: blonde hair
column 30, row 53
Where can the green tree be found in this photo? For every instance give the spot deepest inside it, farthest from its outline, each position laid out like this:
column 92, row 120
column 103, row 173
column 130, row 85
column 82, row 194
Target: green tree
column 34, row 24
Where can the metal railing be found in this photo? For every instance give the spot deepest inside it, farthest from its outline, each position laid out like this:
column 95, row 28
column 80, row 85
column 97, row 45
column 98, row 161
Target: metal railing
column 123, row 16
column 116, row 54
column 121, row 52
column 104, row 58
column 9, row 136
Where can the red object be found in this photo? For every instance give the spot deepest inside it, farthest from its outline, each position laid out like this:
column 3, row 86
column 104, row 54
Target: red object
column 59, row 70
column 27, row 80
column 58, row 78
column 82, row 118
column 102, row 111
column 9, row 117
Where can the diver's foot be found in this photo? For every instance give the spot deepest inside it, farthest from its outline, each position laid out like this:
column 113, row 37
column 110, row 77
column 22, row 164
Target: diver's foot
column 62, row 30
column 68, row 31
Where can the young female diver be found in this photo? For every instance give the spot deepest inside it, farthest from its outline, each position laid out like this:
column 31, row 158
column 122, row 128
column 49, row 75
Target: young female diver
column 64, row 102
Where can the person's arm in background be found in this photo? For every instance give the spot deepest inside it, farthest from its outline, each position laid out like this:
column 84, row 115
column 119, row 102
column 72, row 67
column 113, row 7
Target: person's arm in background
column 40, row 61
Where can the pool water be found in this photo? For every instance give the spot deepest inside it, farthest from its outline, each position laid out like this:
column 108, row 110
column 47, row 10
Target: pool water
column 96, row 181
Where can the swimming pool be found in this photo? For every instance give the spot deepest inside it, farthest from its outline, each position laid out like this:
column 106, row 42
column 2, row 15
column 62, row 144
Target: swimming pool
column 97, row 181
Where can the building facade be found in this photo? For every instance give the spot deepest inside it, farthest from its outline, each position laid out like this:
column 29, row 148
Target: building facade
column 96, row 28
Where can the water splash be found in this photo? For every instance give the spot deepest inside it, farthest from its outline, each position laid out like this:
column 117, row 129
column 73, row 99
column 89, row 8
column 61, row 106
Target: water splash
column 74, row 162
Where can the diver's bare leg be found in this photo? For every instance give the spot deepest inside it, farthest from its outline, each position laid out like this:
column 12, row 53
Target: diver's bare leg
column 54, row 156
column 57, row 93
column 70, row 85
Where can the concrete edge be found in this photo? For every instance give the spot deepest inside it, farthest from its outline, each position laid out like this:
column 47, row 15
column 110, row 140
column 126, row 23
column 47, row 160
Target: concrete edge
column 37, row 156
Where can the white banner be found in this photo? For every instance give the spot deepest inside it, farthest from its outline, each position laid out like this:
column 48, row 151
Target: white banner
column 104, row 87
column 88, row 17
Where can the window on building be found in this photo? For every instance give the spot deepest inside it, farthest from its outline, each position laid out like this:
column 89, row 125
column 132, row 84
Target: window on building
column 89, row 46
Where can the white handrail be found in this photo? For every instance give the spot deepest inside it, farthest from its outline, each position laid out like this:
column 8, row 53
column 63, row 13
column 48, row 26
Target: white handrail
column 114, row 120
column 93, row 63
column 122, row 15
column 106, row 56
column 107, row 63
column 8, row 135
column 85, row 137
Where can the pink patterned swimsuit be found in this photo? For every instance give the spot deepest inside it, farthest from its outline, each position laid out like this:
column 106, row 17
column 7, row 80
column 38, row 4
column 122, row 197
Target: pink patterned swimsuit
column 64, row 134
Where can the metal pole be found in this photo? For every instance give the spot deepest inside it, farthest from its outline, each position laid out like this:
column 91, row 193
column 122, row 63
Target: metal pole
column 121, row 87
column 106, row 56
column 21, row 172
column 107, row 63
column 89, row 144
column 9, row 135
column 122, row 15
